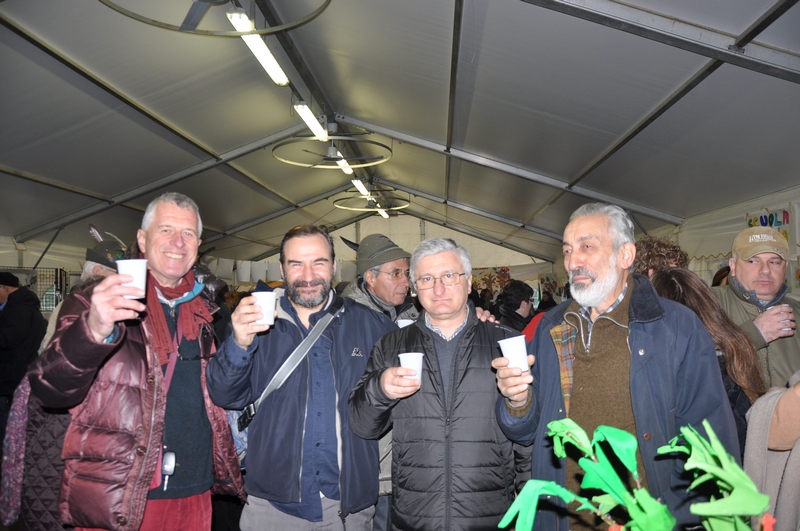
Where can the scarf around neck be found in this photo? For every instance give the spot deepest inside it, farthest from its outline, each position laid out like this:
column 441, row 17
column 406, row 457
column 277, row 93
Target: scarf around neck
column 192, row 316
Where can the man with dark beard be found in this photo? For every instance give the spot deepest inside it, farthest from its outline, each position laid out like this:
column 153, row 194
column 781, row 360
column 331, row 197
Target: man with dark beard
column 618, row 355
column 304, row 464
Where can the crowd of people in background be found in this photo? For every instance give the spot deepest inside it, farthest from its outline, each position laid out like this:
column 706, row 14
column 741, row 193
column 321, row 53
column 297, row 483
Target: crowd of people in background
column 122, row 412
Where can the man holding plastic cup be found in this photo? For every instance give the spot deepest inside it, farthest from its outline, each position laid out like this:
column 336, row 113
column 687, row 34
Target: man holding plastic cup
column 618, row 355
column 452, row 467
column 305, row 467
column 146, row 446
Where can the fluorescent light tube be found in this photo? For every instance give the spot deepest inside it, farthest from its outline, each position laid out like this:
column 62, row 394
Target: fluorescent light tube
column 241, row 22
column 311, row 121
column 343, row 164
column 383, row 213
column 360, row 186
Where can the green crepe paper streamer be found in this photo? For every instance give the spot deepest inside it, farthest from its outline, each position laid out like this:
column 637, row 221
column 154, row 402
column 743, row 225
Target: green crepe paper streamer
column 528, row 500
column 567, row 431
column 623, row 443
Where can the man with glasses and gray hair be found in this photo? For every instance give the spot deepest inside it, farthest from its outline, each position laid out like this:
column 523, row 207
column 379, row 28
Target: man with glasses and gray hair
column 452, row 467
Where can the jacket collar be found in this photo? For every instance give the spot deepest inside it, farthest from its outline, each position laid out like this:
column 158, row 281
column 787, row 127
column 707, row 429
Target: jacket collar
column 645, row 304
column 751, row 297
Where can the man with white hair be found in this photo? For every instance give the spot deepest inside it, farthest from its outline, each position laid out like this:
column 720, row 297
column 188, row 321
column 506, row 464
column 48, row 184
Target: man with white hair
column 618, row 355
column 452, row 467
column 146, row 447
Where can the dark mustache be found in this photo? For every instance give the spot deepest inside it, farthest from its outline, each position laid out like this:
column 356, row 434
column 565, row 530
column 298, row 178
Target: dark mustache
column 306, row 284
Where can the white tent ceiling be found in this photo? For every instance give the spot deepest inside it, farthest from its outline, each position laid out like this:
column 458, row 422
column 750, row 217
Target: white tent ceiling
column 503, row 115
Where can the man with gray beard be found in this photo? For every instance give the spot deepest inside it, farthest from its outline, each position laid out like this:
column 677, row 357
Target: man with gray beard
column 305, row 467
column 617, row 355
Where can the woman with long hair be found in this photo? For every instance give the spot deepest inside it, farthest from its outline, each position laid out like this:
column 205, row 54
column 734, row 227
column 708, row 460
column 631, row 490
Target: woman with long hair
column 738, row 359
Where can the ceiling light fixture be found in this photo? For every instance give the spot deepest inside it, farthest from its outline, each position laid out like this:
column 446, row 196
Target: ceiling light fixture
column 242, row 22
column 311, row 121
column 378, row 199
column 359, row 184
column 343, row 164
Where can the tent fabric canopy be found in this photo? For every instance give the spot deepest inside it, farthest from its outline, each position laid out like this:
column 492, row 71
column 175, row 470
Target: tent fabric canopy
column 503, row 116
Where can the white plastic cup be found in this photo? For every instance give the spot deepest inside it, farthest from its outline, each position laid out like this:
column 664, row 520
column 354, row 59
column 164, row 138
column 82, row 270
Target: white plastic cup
column 402, row 323
column 515, row 350
column 138, row 270
column 412, row 360
column 266, row 300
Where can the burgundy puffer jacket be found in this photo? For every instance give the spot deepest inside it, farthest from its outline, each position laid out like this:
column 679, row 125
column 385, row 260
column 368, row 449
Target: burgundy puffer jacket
column 116, row 392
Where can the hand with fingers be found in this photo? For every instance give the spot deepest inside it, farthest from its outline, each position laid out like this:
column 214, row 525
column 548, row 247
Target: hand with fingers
column 395, row 383
column 776, row 322
column 244, row 323
column 512, row 382
column 109, row 305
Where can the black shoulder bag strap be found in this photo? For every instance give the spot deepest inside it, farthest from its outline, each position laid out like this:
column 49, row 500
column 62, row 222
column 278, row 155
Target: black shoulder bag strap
column 292, row 362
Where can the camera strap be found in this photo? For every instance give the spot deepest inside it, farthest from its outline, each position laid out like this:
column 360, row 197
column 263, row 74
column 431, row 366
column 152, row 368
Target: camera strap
column 291, row 363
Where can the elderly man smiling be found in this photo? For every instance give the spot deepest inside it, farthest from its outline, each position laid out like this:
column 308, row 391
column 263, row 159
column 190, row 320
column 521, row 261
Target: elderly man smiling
column 617, row 355
column 452, row 467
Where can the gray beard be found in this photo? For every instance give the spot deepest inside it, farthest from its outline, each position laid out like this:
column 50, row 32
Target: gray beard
column 308, row 302
column 593, row 294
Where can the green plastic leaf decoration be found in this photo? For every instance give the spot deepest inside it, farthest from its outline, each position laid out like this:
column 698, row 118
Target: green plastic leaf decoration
column 623, row 443
column 709, row 461
column 675, row 445
column 605, row 503
column 602, row 476
column 649, row 514
column 528, row 500
column 565, row 431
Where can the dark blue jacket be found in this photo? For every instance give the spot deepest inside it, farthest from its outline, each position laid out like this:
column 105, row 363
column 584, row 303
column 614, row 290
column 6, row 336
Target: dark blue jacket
column 674, row 379
column 236, row 378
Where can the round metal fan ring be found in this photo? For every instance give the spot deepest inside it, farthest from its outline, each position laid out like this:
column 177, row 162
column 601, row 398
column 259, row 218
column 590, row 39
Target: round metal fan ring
column 350, row 203
column 211, row 33
column 330, row 165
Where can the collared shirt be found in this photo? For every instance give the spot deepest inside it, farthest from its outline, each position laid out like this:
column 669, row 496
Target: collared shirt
column 435, row 329
column 3, row 305
column 320, row 470
column 586, row 312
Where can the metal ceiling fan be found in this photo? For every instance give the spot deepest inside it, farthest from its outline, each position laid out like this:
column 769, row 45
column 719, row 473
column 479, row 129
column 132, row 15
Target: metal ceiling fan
column 197, row 11
column 335, row 154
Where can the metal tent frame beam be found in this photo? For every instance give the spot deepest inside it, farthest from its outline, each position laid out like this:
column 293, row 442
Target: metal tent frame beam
column 513, row 170
column 470, row 209
column 331, row 228
column 741, row 52
column 480, row 236
column 158, row 184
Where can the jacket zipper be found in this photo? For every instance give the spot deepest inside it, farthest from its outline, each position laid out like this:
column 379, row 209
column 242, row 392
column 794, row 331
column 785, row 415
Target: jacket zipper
column 138, row 482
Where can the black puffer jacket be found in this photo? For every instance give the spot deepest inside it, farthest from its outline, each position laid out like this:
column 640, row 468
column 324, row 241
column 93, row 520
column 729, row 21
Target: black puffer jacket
column 22, row 328
column 452, row 467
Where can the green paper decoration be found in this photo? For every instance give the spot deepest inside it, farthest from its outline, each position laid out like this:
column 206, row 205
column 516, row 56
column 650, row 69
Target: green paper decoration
column 707, row 459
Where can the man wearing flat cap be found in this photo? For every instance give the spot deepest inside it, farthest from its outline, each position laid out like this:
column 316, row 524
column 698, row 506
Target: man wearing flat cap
column 755, row 299
column 382, row 282
column 383, row 285
column 21, row 330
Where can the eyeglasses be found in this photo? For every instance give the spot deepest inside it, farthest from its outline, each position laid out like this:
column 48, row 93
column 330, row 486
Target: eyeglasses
column 396, row 274
column 448, row 279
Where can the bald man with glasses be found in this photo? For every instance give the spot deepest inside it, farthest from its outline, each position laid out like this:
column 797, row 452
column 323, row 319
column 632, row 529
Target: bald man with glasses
column 452, row 466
